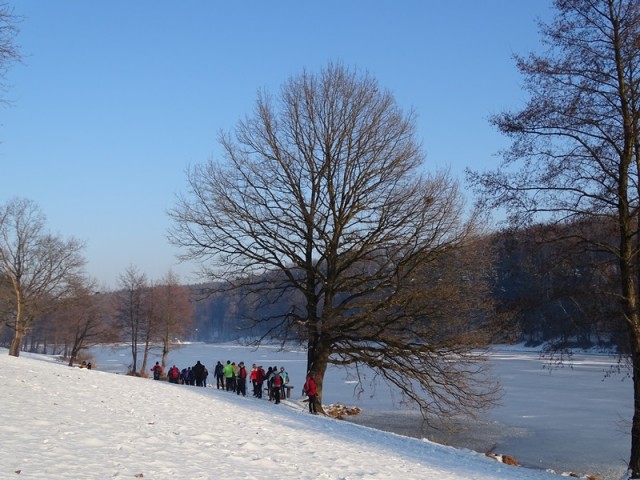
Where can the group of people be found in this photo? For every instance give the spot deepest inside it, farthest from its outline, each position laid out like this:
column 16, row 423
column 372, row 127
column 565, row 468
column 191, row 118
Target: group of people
column 196, row 375
column 233, row 377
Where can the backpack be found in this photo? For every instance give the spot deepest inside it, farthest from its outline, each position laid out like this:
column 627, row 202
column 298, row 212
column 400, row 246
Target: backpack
column 277, row 381
column 156, row 374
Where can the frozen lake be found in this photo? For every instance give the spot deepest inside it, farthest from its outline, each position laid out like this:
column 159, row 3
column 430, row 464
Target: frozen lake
column 568, row 419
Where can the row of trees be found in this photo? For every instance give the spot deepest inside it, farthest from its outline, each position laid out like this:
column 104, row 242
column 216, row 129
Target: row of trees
column 147, row 315
column 47, row 299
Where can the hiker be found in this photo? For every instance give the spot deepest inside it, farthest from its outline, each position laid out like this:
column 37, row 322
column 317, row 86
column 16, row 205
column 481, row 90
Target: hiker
column 309, row 389
column 269, row 380
column 277, row 386
column 219, row 374
column 228, row 375
column 253, row 377
column 236, row 372
column 242, row 380
column 260, row 375
column 174, row 375
column 198, row 373
column 157, row 371
column 285, row 381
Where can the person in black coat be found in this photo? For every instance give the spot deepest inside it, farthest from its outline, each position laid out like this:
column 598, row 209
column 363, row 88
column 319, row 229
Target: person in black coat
column 198, row 373
column 219, row 374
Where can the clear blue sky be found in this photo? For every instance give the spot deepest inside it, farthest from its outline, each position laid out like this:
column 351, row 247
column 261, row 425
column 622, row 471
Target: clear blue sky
column 115, row 99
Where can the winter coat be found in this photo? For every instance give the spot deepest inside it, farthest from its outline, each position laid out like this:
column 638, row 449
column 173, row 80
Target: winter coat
column 157, row 371
column 198, row 370
column 310, row 386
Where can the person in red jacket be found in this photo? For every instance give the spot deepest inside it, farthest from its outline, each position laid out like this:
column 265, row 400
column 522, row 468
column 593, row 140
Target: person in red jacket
column 242, row 380
column 309, row 389
column 174, row 375
column 157, row 371
column 260, row 376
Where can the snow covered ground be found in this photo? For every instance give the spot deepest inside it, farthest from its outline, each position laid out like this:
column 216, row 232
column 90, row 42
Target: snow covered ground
column 61, row 422
column 570, row 419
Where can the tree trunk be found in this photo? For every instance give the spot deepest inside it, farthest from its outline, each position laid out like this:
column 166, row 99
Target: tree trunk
column 165, row 350
column 134, row 357
column 320, row 370
column 317, row 362
column 16, row 343
column 145, row 358
column 72, row 358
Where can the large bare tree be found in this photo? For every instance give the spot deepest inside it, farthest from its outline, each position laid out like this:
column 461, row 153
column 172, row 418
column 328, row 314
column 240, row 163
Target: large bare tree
column 38, row 267
column 321, row 199
column 575, row 155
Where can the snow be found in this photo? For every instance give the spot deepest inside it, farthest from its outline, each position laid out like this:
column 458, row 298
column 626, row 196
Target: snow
column 569, row 419
column 62, row 422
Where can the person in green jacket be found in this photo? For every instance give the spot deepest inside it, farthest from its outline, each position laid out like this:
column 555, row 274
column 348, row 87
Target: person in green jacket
column 228, row 375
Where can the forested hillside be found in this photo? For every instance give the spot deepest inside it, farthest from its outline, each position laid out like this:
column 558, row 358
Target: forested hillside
column 547, row 287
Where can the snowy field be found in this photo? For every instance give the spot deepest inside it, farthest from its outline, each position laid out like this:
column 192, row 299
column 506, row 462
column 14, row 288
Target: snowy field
column 61, row 423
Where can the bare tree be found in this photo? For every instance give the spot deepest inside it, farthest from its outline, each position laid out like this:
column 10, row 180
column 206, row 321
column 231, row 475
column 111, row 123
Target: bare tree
column 321, row 199
column 39, row 268
column 171, row 310
column 84, row 319
column 575, row 155
column 133, row 310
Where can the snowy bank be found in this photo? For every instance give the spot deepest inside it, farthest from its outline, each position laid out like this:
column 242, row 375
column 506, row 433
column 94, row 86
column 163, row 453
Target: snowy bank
column 60, row 422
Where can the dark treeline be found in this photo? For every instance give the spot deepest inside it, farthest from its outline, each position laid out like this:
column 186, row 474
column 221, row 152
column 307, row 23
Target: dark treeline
column 552, row 286
column 548, row 287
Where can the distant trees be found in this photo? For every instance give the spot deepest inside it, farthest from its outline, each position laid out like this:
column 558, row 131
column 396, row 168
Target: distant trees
column 149, row 315
column 551, row 292
column 321, row 199
column 83, row 320
column 37, row 269
column 171, row 311
column 575, row 154
column 133, row 311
